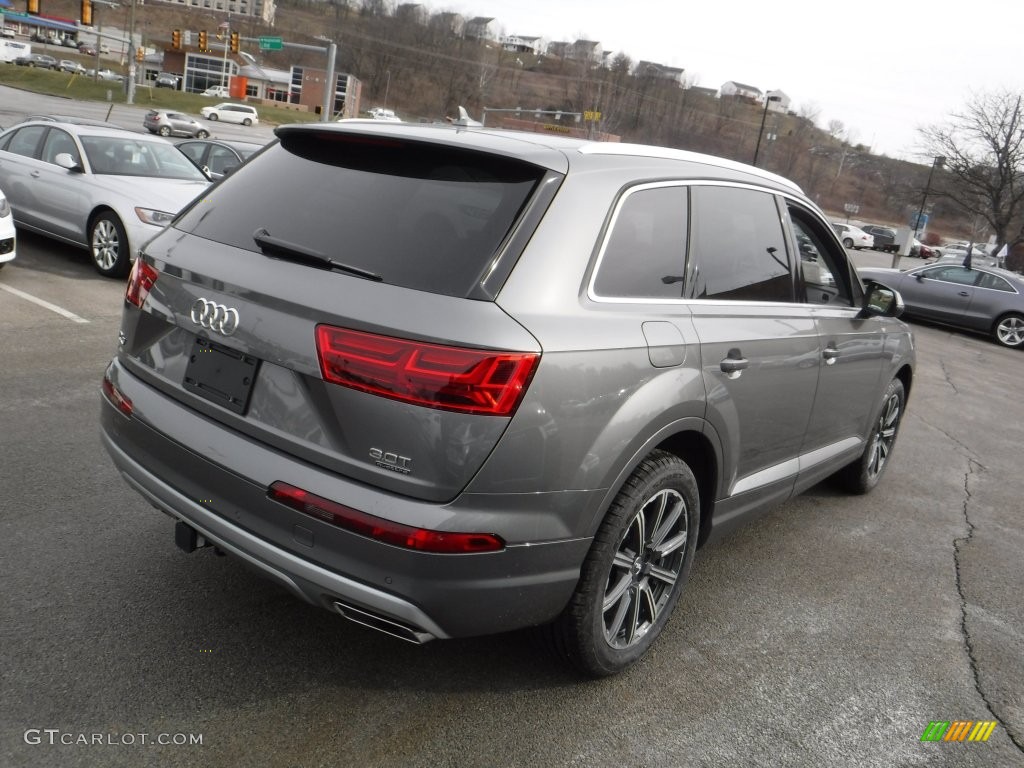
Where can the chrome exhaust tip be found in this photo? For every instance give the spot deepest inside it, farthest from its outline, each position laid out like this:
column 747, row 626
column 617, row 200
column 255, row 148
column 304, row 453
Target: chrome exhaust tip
column 407, row 632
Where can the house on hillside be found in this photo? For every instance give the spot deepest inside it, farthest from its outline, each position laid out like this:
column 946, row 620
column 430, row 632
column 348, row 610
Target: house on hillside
column 711, row 93
column 449, row 23
column 414, row 13
column 559, row 49
column 660, row 72
column 586, row 50
column 777, row 101
column 479, row 28
column 536, row 46
column 741, row 91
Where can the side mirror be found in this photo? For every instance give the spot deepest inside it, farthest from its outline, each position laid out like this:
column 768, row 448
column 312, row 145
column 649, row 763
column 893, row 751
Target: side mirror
column 880, row 301
column 65, row 160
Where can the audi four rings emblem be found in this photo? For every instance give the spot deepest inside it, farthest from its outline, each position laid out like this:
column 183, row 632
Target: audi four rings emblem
column 216, row 317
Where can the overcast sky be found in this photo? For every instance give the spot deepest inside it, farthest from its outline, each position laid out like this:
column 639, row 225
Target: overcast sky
column 883, row 68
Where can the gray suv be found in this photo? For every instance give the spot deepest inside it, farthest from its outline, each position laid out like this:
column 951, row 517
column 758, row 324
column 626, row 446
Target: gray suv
column 450, row 382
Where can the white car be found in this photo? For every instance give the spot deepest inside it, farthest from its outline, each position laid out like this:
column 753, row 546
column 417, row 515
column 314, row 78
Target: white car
column 217, row 91
column 8, row 241
column 853, row 237
column 104, row 189
column 231, row 113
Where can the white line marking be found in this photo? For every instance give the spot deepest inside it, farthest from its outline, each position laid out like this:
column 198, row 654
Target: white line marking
column 44, row 304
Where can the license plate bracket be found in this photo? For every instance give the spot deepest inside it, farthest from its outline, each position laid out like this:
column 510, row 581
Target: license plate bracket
column 220, row 374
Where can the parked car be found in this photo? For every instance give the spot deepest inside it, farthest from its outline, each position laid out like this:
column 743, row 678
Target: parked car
column 105, row 74
column 86, row 50
column 166, row 80
column 69, row 42
column 42, row 60
column 72, row 119
column 104, row 189
column 217, row 157
column 168, row 123
column 39, row 37
column 66, row 65
column 360, row 375
column 884, row 238
column 231, row 113
column 960, row 250
column 216, row 91
column 987, row 300
column 852, row 236
column 8, row 237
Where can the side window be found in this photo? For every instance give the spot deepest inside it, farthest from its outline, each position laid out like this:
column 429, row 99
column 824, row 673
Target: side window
column 193, row 152
column 737, row 250
column 824, row 275
column 953, row 274
column 644, row 251
column 993, row 282
column 58, row 141
column 222, row 158
column 26, row 141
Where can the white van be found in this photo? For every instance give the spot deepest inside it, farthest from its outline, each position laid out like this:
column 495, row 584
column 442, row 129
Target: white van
column 231, row 113
column 11, row 50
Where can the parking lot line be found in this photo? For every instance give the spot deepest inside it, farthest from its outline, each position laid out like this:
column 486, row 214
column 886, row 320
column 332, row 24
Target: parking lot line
column 45, row 304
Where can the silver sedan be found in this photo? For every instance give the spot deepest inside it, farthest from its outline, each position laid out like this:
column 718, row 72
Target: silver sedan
column 987, row 300
column 105, row 189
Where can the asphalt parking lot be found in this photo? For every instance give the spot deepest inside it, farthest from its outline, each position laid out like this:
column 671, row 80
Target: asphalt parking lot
column 831, row 631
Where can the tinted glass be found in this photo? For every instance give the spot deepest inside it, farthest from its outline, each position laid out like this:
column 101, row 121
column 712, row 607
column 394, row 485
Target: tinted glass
column 952, row 274
column 26, row 141
column 737, row 246
column 993, row 282
column 420, row 215
column 644, row 253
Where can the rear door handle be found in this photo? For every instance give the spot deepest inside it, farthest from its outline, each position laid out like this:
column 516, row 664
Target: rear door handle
column 733, row 366
column 965, row 293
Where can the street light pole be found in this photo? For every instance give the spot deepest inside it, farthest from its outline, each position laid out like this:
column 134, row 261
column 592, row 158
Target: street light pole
column 764, row 117
column 938, row 162
column 132, row 64
column 387, row 88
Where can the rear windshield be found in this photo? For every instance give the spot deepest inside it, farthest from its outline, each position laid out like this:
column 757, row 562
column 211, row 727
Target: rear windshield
column 420, row 215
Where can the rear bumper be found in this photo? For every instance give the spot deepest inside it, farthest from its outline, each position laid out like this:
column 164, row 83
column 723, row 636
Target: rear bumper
column 429, row 594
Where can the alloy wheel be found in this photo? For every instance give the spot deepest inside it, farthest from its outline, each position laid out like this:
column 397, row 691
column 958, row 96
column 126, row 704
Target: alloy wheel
column 106, row 244
column 884, row 435
column 644, row 571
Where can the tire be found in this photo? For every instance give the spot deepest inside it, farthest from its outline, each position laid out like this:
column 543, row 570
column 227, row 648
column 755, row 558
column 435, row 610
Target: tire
column 213, row 116
column 108, row 245
column 848, row 242
column 247, row 122
column 862, row 475
column 202, row 134
column 639, row 573
column 164, row 131
column 1009, row 330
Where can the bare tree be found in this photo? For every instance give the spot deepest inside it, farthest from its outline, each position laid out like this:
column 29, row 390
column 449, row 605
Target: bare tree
column 983, row 148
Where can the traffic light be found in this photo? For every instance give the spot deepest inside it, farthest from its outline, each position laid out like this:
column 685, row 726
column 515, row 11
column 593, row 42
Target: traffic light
column 32, row 6
column 204, row 40
column 86, row 13
column 234, row 42
column 176, row 39
column 140, row 54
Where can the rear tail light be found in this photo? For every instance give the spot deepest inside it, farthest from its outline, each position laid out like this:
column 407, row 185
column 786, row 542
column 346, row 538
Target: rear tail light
column 405, row 536
column 116, row 396
column 432, row 375
column 140, row 282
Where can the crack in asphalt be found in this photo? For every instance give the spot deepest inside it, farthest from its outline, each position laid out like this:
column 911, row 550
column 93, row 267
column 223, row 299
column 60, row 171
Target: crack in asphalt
column 949, row 377
column 958, row 545
column 952, row 438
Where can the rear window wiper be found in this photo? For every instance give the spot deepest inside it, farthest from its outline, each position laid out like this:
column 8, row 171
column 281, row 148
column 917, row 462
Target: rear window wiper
column 282, row 249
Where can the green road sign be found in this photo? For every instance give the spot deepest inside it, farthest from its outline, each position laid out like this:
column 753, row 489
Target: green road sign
column 271, row 43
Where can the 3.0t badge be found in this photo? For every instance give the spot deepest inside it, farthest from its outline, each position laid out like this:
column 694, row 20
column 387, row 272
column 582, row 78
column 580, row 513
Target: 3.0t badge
column 219, row 318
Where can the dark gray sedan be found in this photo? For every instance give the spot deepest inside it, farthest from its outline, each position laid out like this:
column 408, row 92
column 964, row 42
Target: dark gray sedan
column 987, row 300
